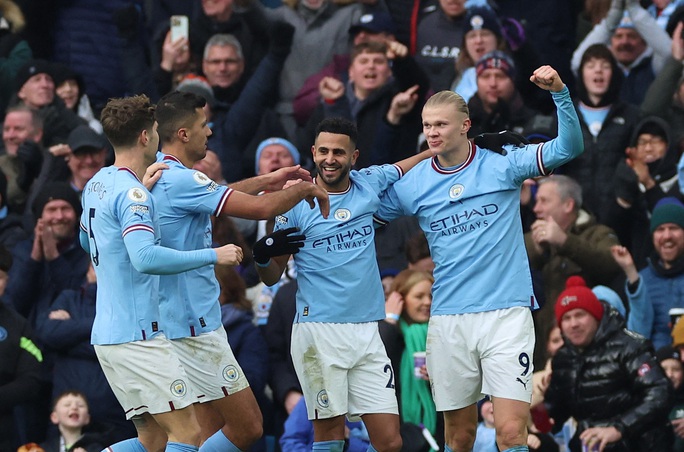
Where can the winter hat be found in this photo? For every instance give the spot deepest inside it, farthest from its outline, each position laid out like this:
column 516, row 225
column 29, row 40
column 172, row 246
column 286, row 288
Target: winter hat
column 84, row 139
column 482, row 17
column 667, row 210
column 54, row 191
column 611, row 297
column 199, row 85
column 668, row 352
column 281, row 141
column 626, row 21
column 376, row 22
column 496, row 59
column 578, row 296
column 29, row 69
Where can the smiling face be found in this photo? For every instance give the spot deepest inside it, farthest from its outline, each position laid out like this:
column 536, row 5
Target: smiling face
column 368, row 72
column 334, row 155
column 38, row 91
column 444, row 127
column 70, row 411
column 627, row 45
column 579, row 327
column 83, row 165
column 668, row 241
column 68, row 92
column 17, row 128
column 417, row 302
column 59, row 215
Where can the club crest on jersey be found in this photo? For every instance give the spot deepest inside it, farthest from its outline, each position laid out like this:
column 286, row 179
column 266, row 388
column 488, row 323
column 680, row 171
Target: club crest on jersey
column 136, row 194
column 455, row 191
column 322, row 399
column 201, row 178
column 179, row 388
column 342, row 214
column 281, row 219
column 230, row 373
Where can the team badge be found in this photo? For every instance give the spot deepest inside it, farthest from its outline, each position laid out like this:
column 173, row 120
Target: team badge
column 179, row 388
column 342, row 214
column 456, row 191
column 200, row 178
column 3, row 334
column 230, row 373
column 476, row 22
column 644, row 369
column 322, row 399
column 136, row 194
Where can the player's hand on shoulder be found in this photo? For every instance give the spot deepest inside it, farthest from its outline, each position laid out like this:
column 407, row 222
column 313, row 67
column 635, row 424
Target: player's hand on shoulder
column 229, row 255
column 279, row 243
column 153, row 173
column 495, row 141
column 547, row 78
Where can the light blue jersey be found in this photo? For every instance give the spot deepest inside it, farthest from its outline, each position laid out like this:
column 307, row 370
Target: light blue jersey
column 337, row 273
column 471, row 217
column 119, row 230
column 186, row 199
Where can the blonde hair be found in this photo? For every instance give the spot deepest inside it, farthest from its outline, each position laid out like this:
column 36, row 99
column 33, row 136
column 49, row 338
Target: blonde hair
column 447, row 97
column 406, row 279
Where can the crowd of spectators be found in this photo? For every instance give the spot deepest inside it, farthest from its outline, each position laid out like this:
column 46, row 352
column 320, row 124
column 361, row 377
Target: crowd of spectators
column 270, row 71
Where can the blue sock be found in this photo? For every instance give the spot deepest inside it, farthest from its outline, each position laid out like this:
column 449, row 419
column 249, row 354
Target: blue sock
column 180, row 447
column 328, row 446
column 217, row 443
column 371, row 448
column 128, row 445
column 517, row 449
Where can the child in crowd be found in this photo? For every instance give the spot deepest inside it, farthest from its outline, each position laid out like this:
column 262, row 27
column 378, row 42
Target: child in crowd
column 71, row 416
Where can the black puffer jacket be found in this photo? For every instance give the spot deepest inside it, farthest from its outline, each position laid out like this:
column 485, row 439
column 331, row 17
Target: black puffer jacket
column 616, row 381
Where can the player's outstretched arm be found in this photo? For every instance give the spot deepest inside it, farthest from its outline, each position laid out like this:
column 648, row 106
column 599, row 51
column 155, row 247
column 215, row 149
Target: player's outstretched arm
column 272, row 181
column 271, row 204
column 412, row 161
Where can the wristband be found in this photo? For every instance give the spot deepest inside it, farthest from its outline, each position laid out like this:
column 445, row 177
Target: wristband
column 391, row 316
column 268, row 262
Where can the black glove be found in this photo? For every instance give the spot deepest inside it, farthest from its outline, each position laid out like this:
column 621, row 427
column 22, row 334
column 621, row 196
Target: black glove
column 31, row 156
column 281, row 37
column 626, row 183
column 278, row 243
column 495, row 141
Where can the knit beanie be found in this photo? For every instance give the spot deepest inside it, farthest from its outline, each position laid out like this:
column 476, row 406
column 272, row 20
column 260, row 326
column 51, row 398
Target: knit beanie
column 668, row 352
column 482, row 17
column 54, row 191
column 281, row 141
column 611, row 297
column 199, row 85
column 578, row 296
column 496, row 59
column 29, row 69
column 667, row 210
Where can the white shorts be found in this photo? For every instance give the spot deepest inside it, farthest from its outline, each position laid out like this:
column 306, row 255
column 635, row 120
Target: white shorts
column 213, row 371
column 146, row 376
column 469, row 355
column 343, row 369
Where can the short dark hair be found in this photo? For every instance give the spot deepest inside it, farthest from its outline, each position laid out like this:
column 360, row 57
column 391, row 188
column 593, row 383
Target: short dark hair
column 174, row 110
column 69, row 392
column 339, row 126
column 124, row 118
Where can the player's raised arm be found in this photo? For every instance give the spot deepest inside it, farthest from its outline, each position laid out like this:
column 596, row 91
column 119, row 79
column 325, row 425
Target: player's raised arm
column 269, row 205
